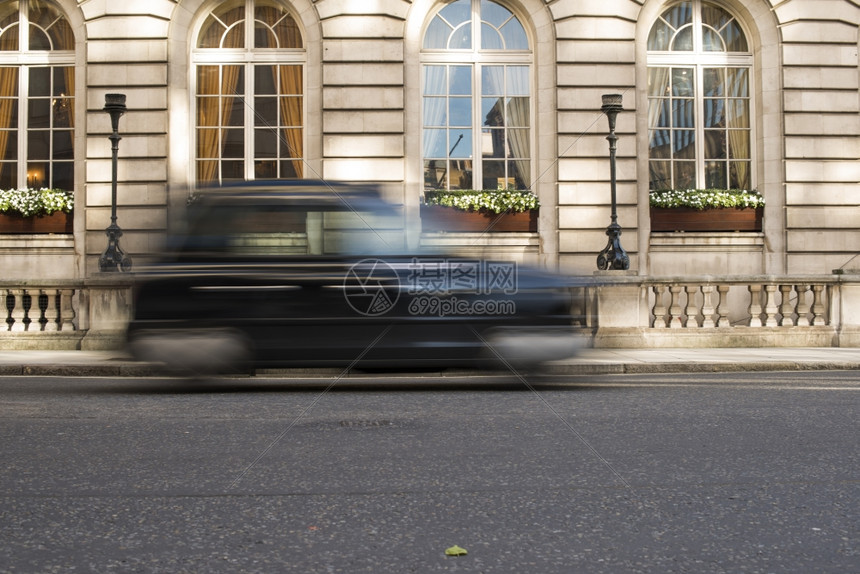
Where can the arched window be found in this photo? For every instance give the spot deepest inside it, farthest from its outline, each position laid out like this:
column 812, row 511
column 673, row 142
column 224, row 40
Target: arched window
column 37, row 83
column 248, row 73
column 699, row 105
column 477, row 105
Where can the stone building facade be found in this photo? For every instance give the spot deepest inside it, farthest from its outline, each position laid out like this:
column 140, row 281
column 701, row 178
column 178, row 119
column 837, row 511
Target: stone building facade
column 379, row 90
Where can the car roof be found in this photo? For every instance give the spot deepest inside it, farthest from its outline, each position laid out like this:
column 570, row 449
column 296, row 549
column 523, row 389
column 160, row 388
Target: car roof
column 300, row 195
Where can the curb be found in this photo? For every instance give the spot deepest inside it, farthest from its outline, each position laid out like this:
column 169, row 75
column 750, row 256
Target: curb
column 132, row 369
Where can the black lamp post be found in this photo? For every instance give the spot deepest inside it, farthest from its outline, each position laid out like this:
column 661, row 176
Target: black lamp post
column 613, row 255
column 113, row 258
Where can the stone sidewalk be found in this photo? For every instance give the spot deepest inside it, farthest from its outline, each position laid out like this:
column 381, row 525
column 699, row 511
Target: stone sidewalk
column 588, row 361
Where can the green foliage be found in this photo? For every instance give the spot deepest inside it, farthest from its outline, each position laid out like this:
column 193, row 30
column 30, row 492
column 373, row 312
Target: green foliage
column 28, row 202
column 702, row 199
column 495, row 201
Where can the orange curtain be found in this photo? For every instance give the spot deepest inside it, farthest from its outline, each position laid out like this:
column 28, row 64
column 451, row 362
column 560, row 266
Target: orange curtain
column 291, row 111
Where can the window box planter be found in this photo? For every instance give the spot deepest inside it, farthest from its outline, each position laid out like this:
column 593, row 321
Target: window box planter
column 706, row 210
column 721, row 219
column 436, row 218
column 479, row 210
column 58, row 222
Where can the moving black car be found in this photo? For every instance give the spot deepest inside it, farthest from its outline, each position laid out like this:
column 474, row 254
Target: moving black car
column 309, row 273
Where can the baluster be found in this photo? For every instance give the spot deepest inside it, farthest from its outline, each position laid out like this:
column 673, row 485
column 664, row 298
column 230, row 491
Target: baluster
column 5, row 294
column 770, row 308
column 786, row 309
column 692, row 310
column 722, row 302
column 755, row 305
column 67, row 312
column 659, row 306
column 802, row 305
column 674, row 306
column 51, row 310
column 818, row 305
column 18, row 312
column 708, row 311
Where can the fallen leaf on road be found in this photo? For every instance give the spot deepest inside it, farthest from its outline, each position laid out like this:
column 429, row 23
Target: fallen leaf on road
column 456, row 551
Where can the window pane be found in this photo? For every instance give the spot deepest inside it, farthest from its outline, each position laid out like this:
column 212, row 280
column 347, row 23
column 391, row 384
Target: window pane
column 264, row 80
column 234, row 112
column 40, row 82
column 739, row 144
column 714, row 82
column 715, row 175
column 461, row 39
column 207, row 143
column 457, row 12
column 435, row 113
column 659, row 114
column 39, row 113
column 435, row 174
column 660, row 144
column 492, row 111
column 493, row 80
column 685, row 144
column 739, row 114
column 265, row 143
column 63, row 175
column 494, row 175
column 739, row 175
column 683, row 41
column 265, row 111
column 679, row 15
column 461, row 174
column 63, row 148
column 682, row 82
column 491, row 39
column 715, row 114
column 683, row 114
column 233, row 170
column 715, row 144
column 518, row 112
column 38, row 174
column 39, row 40
column 737, row 82
column 291, row 143
column 518, row 81
column 711, row 41
column 291, row 170
column 460, row 81
column 658, row 82
column 233, row 143
column 434, row 80
column 519, row 174
column 435, row 144
column 460, row 111
column 461, row 143
column 9, row 145
column 291, row 111
column 734, row 38
column 493, row 143
column 660, row 36
column 436, row 36
column 515, row 35
column 38, row 144
column 518, row 143
column 265, row 170
column 685, row 175
column 64, row 81
column 8, row 174
column 659, row 175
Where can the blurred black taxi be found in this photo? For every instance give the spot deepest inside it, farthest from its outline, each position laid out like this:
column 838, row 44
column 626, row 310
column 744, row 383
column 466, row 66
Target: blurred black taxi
column 309, row 273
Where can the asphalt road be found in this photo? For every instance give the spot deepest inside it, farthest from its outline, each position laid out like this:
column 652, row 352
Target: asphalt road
column 657, row 473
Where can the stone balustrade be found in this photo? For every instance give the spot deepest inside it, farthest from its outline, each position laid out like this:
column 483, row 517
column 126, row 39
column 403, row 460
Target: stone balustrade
column 612, row 310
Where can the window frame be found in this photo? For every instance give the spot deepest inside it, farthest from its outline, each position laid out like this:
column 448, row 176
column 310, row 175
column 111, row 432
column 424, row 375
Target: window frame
column 699, row 60
column 24, row 60
column 476, row 58
column 246, row 57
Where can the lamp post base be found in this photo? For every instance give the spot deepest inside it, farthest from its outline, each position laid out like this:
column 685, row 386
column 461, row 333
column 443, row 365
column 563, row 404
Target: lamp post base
column 113, row 258
column 613, row 255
